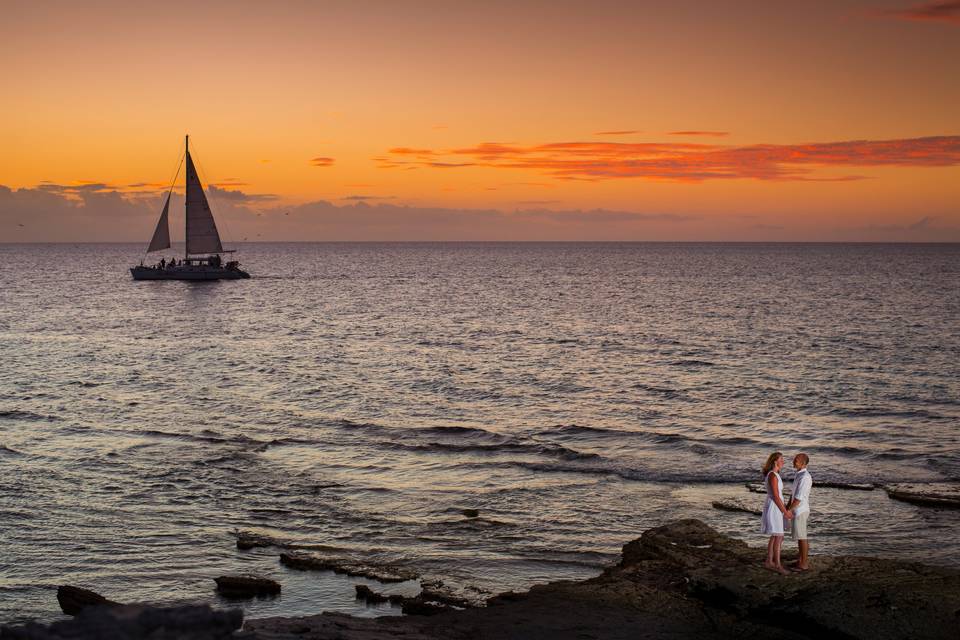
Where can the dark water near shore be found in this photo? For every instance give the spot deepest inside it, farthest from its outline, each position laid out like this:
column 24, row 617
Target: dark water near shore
column 358, row 396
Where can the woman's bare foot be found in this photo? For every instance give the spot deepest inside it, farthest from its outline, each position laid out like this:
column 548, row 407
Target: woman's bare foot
column 769, row 566
column 781, row 570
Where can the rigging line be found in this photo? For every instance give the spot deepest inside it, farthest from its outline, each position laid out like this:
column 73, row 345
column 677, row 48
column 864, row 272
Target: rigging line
column 216, row 201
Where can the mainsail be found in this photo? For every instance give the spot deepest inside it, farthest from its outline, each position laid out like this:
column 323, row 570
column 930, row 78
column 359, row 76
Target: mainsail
column 202, row 236
column 161, row 235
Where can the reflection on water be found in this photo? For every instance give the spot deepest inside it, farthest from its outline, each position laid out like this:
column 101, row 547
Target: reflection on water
column 361, row 396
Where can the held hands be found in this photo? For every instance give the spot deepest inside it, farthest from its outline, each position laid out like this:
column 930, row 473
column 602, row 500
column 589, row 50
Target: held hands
column 788, row 515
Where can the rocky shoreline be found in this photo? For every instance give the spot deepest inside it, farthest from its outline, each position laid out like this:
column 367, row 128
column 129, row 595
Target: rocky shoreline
column 679, row 580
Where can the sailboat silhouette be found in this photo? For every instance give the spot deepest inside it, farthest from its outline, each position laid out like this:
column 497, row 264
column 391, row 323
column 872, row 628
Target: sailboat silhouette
column 202, row 256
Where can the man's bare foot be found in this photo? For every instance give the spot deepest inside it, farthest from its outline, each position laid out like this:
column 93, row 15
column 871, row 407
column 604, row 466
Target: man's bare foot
column 799, row 568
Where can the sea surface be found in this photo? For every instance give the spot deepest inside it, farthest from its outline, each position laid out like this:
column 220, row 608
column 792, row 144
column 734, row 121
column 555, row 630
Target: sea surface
column 355, row 398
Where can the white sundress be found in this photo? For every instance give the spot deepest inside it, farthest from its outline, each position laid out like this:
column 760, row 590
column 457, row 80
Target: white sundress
column 771, row 522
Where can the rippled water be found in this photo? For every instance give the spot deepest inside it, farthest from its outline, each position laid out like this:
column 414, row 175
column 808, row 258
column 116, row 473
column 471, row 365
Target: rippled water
column 358, row 396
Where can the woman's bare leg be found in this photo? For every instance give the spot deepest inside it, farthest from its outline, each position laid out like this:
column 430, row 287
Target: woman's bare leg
column 769, row 563
column 778, row 542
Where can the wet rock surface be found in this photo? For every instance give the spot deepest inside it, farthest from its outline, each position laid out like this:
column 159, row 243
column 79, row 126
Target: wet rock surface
column 348, row 566
column 134, row 622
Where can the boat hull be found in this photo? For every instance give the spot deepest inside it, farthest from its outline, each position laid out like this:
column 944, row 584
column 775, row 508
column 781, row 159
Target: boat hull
column 188, row 272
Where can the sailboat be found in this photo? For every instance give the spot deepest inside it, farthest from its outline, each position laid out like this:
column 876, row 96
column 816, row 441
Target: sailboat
column 202, row 258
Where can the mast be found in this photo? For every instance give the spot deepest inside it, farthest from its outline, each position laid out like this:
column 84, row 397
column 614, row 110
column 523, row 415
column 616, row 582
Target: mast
column 186, row 153
column 201, row 230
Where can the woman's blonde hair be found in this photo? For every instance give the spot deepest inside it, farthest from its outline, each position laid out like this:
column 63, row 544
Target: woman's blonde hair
column 771, row 459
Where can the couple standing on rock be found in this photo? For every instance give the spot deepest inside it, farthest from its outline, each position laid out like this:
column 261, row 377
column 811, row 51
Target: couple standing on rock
column 776, row 515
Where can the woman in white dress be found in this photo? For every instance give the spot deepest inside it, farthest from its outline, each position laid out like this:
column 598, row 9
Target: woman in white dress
column 774, row 512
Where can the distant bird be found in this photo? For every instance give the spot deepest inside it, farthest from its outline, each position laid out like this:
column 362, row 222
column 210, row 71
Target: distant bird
column 287, row 213
column 19, row 224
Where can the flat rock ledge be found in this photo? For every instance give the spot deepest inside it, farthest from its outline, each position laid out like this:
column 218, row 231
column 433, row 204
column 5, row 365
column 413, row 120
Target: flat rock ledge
column 735, row 504
column 680, row 580
column 943, row 495
column 385, row 573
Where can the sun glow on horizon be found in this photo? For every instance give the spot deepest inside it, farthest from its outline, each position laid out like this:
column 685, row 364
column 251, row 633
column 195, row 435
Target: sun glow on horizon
column 824, row 123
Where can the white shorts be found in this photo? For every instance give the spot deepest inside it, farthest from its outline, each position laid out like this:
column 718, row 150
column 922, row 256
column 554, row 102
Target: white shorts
column 798, row 526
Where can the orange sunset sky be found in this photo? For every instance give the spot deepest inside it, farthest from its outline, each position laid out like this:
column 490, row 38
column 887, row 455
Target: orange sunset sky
column 741, row 120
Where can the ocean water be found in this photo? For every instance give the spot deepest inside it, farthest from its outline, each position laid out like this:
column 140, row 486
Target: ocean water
column 357, row 397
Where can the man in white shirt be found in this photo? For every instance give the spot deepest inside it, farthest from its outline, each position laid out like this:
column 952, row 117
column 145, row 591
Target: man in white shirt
column 800, row 505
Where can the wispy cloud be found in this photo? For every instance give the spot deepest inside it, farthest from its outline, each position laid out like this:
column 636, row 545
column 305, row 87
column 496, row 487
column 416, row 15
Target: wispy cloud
column 359, row 198
column 711, row 134
column 625, row 132
column 322, row 161
column 941, row 11
column 229, row 183
column 691, row 162
column 407, row 151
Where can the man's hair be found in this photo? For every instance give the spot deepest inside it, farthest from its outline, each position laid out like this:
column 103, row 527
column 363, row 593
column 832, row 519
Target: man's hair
column 804, row 458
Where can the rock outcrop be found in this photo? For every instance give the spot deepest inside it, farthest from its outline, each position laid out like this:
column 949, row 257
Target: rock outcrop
column 685, row 580
column 681, row 580
column 246, row 586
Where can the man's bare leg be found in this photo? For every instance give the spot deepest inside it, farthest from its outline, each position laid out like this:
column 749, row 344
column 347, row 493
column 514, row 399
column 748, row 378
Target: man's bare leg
column 803, row 562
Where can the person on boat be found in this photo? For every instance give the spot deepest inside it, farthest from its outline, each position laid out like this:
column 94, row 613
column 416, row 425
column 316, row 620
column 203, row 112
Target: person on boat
column 163, row 263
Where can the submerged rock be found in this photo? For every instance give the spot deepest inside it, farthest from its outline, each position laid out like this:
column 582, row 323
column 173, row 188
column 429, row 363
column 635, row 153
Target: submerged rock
column 945, row 495
column 850, row 486
column 759, row 487
column 470, row 513
column 734, row 504
column 433, row 598
column 246, row 586
column 135, row 622
column 348, row 566
column 367, row 594
column 73, row 600
column 452, row 595
column 250, row 540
